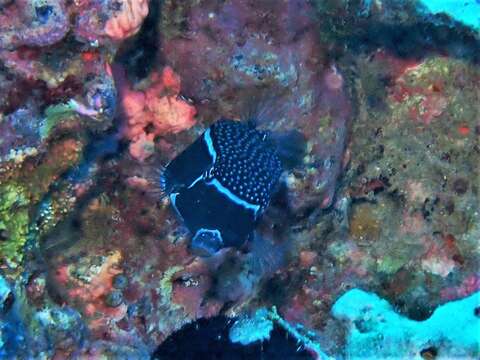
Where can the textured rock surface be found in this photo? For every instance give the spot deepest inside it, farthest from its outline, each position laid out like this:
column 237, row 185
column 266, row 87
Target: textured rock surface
column 94, row 264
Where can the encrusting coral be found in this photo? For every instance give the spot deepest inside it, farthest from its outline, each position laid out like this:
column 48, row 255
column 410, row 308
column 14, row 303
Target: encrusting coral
column 153, row 112
column 127, row 21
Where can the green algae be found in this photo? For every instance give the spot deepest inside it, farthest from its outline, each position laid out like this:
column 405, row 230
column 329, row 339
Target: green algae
column 166, row 286
column 14, row 220
column 55, row 114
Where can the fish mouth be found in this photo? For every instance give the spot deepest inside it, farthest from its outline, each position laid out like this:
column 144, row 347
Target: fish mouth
column 207, row 242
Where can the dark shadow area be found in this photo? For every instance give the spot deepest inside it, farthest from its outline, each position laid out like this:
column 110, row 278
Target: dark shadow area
column 418, row 40
column 208, row 339
column 140, row 54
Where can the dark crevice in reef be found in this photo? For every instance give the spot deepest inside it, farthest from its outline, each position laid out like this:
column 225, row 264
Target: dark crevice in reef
column 208, row 339
column 418, row 40
column 140, row 54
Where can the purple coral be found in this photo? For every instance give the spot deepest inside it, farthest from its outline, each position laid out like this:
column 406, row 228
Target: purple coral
column 28, row 23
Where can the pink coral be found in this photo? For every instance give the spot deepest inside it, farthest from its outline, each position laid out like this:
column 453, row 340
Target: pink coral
column 91, row 294
column 128, row 20
column 99, row 20
column 143, row 147
column 153, row 112
column 438, row 258
column 431, row 103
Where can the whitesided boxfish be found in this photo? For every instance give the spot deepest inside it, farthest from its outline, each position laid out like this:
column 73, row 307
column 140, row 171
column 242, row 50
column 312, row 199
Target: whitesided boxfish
column 222, row 183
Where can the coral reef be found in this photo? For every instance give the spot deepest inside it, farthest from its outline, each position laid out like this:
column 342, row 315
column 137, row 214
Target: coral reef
column 25, row 23
column 14, row 222
column 58, row 90
column 128, row 20
column 98, row 95
column 234, row 50
column 155, row 111
column 434, row 213
column 27, row 332
column 31, row 23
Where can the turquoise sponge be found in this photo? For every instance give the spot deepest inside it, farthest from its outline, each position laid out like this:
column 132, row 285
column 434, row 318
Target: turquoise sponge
column 377, row 331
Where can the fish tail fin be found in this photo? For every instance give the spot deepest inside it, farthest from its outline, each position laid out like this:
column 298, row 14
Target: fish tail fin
column 263, row 107
column 266, row 257
column 290, row 146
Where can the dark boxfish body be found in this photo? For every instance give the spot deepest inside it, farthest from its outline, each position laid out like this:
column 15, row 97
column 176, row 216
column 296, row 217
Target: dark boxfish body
column 222, row 183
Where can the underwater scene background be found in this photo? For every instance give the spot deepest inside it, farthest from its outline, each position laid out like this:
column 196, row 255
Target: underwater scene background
column 239, row 179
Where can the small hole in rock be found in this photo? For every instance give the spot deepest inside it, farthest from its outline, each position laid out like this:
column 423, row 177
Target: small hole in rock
column 429, row 353
column 8, row 302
